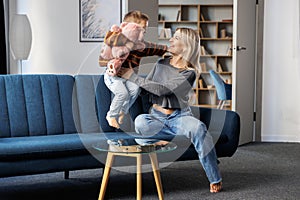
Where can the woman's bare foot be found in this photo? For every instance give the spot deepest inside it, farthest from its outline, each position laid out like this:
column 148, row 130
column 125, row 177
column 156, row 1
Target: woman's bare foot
column 161, row 143
column 216, row 187
column 112, row 121
column 121, row 117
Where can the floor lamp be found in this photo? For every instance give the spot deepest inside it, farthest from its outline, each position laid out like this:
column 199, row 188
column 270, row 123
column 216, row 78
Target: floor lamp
column 20, row 36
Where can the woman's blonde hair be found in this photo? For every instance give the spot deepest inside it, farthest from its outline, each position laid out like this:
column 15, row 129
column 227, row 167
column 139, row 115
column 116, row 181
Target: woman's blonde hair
column 191, row 52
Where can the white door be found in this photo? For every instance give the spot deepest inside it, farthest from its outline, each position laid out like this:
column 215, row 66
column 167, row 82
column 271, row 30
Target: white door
column 244, row 31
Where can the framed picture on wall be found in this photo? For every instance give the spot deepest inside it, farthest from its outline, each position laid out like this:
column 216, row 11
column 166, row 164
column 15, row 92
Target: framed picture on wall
column 96, row 18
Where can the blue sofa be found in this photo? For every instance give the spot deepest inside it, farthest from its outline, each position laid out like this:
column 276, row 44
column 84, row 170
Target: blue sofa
column 43, row 119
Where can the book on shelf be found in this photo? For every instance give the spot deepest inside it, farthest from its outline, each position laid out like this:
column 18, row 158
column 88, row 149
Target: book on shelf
column 162, row 34
column 203, row 51
column 168, row 33
column 165, row 33
column 202, row 17
column 229, row 50
column 219, row 69
column 201, row 33
column 223, row 33
column 227, row 20
column 178, row 18
column 201, row 84
column 159, row 17
column 203, row 67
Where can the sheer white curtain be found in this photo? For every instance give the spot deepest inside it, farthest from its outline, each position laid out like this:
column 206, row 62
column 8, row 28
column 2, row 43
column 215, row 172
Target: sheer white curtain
column 6, row 21
column 281, row 72
column 298, row 38
column 296, row 50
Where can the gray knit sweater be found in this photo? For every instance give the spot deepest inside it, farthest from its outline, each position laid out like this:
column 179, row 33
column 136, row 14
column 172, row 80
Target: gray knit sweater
column 168, row 86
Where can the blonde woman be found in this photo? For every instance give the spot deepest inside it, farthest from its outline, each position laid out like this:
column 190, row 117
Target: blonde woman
column 168, row 85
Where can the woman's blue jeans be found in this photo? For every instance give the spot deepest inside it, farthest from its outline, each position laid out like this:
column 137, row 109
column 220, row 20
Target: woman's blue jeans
column 181, row 122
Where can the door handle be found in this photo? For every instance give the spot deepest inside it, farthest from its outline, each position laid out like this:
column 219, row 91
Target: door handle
column 239, row 48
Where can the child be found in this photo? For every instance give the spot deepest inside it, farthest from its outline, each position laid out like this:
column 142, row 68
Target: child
column 126, row 92
column 118, row 54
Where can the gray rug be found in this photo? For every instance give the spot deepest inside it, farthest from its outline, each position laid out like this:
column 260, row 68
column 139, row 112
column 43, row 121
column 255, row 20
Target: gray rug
column 256, row 171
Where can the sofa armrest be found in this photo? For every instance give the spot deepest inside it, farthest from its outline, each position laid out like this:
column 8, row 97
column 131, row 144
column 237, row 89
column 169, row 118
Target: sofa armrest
column 224, row 126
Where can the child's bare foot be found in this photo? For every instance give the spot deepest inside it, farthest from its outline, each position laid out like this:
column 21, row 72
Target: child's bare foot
column 216, row 187
column 112, row 121
column 121, row 117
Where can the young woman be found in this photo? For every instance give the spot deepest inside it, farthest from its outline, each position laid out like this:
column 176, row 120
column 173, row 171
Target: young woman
column 169, row 84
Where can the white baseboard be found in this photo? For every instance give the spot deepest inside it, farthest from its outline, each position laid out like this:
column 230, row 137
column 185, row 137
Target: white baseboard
column 280, row 138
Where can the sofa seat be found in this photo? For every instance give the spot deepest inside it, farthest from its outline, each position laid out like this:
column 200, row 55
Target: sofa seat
column 36, row 147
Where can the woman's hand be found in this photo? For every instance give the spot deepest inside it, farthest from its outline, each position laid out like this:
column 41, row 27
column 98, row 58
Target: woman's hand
column 125, row 72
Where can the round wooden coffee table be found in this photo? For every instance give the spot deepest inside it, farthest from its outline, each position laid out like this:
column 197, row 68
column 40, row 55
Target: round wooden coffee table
column 136, row 151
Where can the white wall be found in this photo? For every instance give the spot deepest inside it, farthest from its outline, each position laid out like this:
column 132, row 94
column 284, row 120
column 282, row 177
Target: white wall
column 281, row 72
column 55, row 46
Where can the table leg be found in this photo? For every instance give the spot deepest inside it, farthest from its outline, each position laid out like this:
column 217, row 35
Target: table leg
column 108, row 165
column 139, row 177
column 156, row 174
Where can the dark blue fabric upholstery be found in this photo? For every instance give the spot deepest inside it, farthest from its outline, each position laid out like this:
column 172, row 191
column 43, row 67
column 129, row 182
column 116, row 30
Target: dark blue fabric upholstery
column 16, row 106
column 37, row 129
column 36, row 105
column 42, row 147
column 87, row 116
column 48, row 165
column 103, row 99
column 4, row 119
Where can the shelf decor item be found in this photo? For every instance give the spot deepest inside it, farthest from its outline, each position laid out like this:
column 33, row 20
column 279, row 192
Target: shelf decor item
column 20, row 38
column 203, row 67
column 165, row 33
column 178, row 18
column 202, row 17
column 229, row 50
column 227, row 20
column 220, row 68
column 201, row 83
column 203, row 51
column 223, row 33
column 201, row 33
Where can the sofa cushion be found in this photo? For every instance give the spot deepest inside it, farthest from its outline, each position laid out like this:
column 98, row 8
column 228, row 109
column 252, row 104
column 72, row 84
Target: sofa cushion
column 34, row 105
column 34, row 147
column 85, row 94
